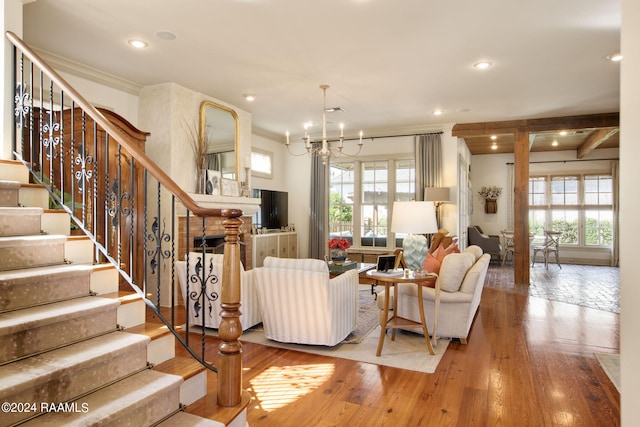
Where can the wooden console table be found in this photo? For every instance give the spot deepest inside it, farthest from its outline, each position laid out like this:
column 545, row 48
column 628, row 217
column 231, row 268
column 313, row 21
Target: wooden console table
column 397, row 322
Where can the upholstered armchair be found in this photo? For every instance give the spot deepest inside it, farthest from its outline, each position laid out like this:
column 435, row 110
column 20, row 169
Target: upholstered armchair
column 301, row 304
column 489, row 244
column 207, row 313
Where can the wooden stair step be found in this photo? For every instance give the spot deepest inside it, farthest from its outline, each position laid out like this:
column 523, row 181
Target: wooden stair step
column 184, row 419
column 182, row 366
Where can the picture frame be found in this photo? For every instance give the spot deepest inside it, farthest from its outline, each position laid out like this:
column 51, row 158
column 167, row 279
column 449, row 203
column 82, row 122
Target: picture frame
column 230, row 187
column 212, row 183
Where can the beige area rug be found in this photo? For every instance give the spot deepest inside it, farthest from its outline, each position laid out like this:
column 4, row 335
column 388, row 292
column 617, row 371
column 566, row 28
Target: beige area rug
column 408, row 351
column 368, row 317
column 611, row 365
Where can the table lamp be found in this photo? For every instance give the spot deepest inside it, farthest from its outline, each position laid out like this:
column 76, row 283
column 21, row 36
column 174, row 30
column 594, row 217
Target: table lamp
column 414, row 219
column 437, row 195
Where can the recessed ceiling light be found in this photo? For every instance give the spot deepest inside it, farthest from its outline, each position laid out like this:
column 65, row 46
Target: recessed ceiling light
column 563, row 133
column 139, row 44
column 494, row 146
column 494, row 137
column 554, row 143
column 249, row 97
column 482, row 65
column 438, row 112
column 615, row 57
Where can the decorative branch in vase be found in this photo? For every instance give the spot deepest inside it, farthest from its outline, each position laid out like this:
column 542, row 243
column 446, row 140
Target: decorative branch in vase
column 199, row 150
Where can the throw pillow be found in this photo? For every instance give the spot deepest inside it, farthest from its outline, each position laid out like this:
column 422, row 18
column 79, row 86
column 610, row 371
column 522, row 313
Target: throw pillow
column 453, row 269
column 452, row 249
column 431, row 264
column 440, row 253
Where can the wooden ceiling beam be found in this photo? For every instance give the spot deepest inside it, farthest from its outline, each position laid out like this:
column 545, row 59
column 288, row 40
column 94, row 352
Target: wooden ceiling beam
column 589, row 121
column 594, row 140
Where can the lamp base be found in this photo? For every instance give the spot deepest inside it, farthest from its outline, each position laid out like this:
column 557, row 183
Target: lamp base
column 414, row 249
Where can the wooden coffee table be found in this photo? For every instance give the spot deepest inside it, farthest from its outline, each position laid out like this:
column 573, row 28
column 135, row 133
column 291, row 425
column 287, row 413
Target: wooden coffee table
column 397, row 322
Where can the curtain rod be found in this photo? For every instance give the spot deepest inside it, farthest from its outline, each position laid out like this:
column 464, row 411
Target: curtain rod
column 566, row 161
column 391, row 136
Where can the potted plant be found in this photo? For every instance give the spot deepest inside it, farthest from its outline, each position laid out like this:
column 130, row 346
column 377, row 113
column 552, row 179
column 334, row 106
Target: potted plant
column 338, row 247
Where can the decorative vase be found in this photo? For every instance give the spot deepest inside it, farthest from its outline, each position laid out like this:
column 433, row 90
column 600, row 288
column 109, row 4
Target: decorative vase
column 490, row 206
column 338, row 255
column 201, row 181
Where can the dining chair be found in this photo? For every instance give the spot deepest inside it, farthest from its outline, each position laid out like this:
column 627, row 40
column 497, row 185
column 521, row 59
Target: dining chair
column 550, row 246
column 509, row 245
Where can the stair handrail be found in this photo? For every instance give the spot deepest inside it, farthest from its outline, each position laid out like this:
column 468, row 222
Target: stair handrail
column 230, row 361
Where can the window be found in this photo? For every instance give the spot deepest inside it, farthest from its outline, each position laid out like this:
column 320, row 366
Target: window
column 261, row 163
column 579, row 206
column 362, row 195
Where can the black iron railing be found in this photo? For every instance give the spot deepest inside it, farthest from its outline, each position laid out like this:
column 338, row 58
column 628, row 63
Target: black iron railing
column 93, row 164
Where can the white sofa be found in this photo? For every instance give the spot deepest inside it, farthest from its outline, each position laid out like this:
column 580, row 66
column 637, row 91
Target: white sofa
column 450, row 307
column 301, row 304
column 210, row 310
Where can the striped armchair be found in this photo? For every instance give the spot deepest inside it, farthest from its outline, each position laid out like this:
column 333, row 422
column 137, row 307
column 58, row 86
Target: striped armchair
column 301, row 304
column 210, row 310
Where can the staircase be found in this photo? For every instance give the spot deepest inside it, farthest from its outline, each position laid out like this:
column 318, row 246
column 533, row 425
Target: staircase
column 66, row 357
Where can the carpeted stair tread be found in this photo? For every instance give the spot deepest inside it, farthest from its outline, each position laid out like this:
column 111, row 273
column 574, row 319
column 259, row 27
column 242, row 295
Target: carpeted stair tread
column 31, row 251
column 141, row 399
column 18, row 221
column 34, row 317
column 184, row 419
column 34, row 286
column 35, row 329
column 9, row 193
column 68, row 372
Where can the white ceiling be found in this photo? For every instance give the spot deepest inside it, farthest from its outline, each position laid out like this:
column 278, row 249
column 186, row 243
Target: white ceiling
column 390, row 64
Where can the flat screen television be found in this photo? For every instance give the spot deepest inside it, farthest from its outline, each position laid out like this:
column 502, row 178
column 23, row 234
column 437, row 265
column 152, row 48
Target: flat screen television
column 274, row 209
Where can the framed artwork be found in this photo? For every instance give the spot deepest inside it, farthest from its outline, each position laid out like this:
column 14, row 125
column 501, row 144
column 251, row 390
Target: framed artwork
column 230, row 187
column 212, row 184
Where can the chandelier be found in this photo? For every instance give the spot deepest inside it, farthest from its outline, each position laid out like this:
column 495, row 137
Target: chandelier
column 325, row 151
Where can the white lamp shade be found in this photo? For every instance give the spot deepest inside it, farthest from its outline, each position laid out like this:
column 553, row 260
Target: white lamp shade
column 437, row 194
column 414, row 218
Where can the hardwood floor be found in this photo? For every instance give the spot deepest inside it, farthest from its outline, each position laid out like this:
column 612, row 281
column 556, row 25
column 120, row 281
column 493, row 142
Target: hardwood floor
column 529, row 362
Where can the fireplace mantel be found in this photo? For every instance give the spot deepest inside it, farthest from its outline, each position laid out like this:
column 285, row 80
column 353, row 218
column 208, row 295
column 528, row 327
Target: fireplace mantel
column 248, row 205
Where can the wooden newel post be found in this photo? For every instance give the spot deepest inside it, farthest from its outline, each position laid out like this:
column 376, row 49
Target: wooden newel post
column 230, row 349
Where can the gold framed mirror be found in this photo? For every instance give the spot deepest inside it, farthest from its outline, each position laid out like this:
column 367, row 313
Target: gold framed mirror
column 219, row 127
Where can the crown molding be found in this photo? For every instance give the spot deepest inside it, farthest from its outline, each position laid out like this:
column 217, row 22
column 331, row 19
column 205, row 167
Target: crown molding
column 60, row 63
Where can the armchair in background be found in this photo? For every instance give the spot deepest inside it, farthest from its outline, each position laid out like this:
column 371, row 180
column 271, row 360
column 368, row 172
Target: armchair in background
column 489, row 244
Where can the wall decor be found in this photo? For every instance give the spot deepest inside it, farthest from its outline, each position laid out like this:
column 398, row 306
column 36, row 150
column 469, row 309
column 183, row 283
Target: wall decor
column 491, row 196
column 230, row 187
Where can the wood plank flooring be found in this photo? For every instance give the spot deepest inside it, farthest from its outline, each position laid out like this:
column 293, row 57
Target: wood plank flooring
column 529, row 362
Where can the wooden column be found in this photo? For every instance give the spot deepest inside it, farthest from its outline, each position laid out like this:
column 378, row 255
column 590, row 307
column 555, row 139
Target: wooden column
column 521, row 208
column 230, row 349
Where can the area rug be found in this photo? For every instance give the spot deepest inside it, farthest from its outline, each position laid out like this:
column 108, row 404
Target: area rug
column 611, row 365
column 408, row 351
column 368, row 317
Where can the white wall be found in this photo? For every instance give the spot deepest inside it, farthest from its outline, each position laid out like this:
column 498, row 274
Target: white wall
column 629, row 209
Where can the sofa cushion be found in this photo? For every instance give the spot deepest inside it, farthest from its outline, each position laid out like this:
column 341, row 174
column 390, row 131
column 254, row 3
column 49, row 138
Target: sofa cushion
column 431, row 264
column 475, row 250
column 453, row 269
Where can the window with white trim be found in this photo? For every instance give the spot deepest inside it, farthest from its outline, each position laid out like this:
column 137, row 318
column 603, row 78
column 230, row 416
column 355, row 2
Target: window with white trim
column 580, row 206
column 361, row 196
